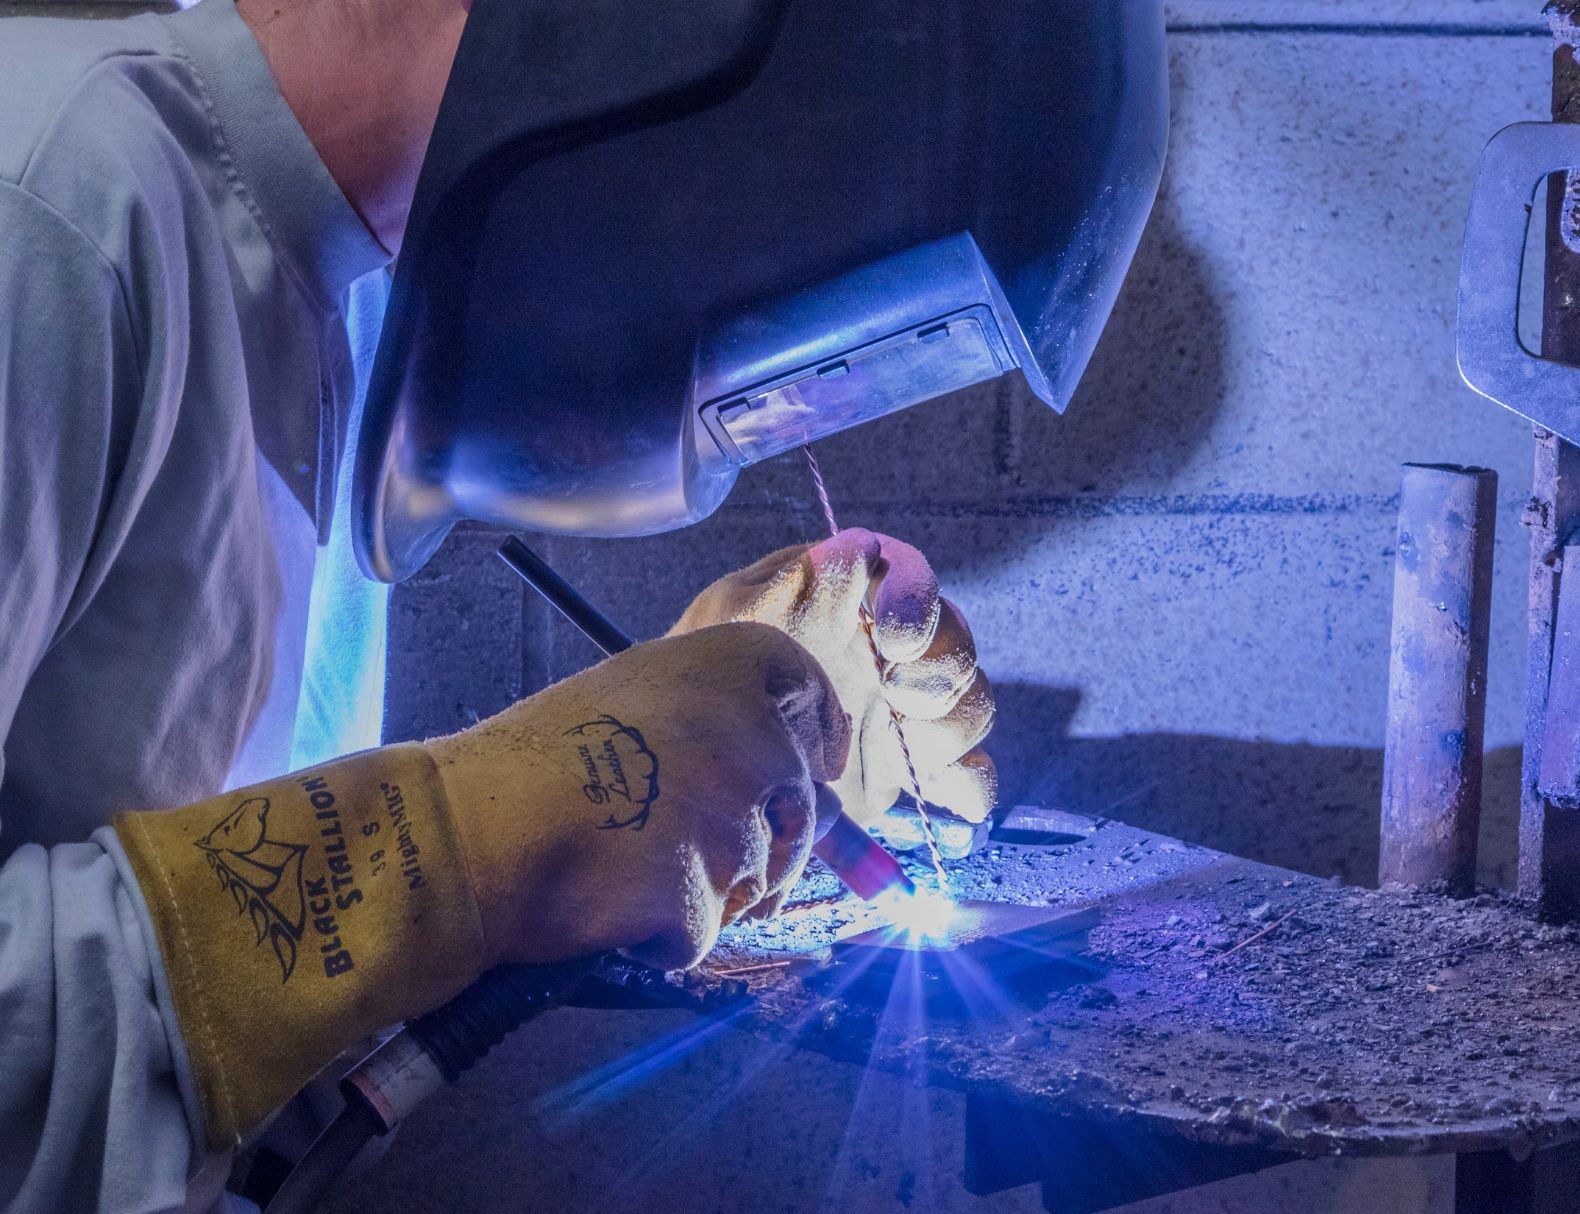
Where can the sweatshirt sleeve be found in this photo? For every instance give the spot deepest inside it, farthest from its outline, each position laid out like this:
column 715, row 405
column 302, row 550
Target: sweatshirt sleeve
column 70, row 396
column 92, row 1114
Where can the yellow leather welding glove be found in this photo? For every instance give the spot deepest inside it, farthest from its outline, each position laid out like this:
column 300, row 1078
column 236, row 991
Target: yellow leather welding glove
column 639, row 805
column 928, row 663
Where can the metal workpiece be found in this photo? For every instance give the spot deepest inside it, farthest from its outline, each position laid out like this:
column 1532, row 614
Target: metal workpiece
column 1437, row 676
column 918, row 970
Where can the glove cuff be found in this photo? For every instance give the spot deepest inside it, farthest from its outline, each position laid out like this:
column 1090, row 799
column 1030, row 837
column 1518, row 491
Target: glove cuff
column 302, row 914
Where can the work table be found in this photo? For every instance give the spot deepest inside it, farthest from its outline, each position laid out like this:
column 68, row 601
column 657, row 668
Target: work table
column 1228, row 1014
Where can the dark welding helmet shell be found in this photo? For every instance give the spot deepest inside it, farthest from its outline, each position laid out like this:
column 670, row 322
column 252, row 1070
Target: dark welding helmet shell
column 655, row 241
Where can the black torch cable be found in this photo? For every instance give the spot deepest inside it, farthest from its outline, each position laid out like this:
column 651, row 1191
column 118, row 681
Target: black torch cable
column 455, row 1036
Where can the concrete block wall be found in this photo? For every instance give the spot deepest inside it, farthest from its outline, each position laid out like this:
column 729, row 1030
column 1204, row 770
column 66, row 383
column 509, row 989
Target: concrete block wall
column 1181, row 588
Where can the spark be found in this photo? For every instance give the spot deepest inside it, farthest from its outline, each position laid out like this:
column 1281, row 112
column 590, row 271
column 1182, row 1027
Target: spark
column 925, row 914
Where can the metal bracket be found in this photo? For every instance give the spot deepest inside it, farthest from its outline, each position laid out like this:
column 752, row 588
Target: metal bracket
column 1491, row 358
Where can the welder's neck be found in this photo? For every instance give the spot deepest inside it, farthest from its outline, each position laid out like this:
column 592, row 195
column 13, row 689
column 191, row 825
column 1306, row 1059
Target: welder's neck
column 364, row 78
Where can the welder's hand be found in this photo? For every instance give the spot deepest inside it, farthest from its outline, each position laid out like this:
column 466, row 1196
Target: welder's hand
column 815, row 594
column 646, row 802
column 639, row 805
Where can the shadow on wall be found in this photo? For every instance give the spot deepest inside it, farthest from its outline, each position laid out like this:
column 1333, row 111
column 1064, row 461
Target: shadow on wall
column 1154, row 386
column 1146, row 405
column 1306, row 807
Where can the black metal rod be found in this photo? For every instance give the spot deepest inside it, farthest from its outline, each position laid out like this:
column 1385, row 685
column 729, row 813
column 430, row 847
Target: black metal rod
column 564, row 597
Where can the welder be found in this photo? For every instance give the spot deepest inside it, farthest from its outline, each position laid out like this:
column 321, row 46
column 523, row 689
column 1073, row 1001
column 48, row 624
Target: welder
column 216, row 880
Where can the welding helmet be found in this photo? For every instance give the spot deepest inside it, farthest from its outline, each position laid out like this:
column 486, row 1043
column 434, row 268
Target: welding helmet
column 656, row 241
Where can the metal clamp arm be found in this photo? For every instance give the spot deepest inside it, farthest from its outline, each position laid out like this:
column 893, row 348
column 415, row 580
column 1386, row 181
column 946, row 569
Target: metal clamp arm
column 1491, row 358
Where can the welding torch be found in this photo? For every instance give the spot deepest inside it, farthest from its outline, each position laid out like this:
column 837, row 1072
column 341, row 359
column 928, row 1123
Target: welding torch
column 854, row 856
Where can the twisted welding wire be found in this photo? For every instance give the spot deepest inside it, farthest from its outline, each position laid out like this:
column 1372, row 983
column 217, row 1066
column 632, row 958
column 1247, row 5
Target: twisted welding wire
column 868, row 628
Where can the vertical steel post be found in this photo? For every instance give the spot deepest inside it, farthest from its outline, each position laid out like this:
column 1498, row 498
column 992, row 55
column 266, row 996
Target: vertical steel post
column 1549, row 870
column 1437, row 676
column 1559, row 772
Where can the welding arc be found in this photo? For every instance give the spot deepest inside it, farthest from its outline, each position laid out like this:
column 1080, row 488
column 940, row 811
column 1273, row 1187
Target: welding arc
column 869, row 629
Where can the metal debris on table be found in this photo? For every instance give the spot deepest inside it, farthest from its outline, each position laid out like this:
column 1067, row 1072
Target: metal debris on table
column 1237, row 1004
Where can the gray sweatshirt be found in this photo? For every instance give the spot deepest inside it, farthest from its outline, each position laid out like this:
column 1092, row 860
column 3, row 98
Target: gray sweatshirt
column 187, row 311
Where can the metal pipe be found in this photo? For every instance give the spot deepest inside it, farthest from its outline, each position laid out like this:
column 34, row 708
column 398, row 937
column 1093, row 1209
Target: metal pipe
column 1437, row 676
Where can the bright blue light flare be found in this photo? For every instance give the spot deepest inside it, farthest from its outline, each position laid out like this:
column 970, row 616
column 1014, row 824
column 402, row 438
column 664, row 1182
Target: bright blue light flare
column 924, row 914
column 340, row 707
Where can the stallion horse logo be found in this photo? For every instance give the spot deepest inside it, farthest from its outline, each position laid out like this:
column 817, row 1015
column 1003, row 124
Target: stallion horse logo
column 263, row 875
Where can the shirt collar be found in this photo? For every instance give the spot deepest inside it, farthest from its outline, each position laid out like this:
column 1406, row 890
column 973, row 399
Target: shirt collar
column 302, row 207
